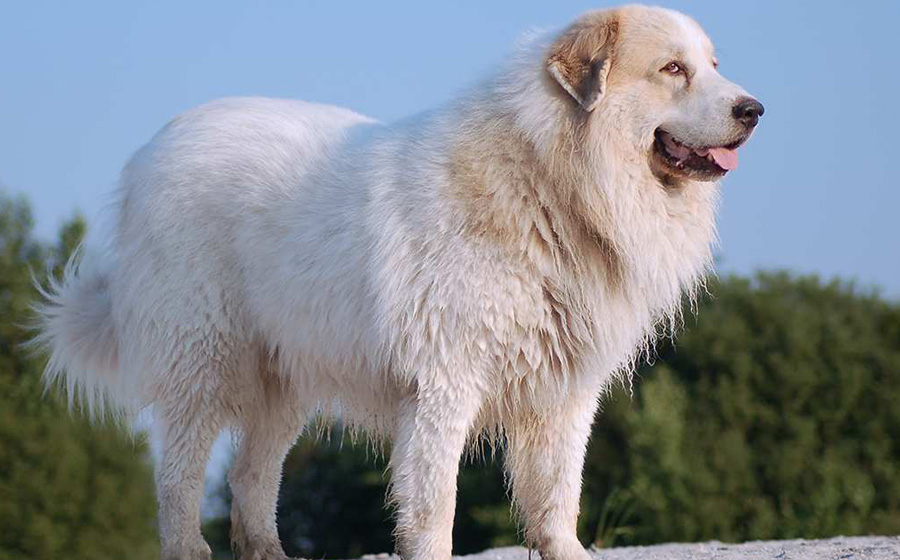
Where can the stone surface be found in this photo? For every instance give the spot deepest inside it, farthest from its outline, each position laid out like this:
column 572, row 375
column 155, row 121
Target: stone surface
column 838, row 548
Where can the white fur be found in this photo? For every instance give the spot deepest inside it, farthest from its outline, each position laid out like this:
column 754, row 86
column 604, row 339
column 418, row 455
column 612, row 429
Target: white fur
column 275, row 261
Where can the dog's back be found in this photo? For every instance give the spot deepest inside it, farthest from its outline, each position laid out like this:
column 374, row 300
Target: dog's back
column 198, row 204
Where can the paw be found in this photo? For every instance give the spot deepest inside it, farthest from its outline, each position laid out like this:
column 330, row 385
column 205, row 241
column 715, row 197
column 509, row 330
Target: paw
column 192, row 553
column 267, row 551
column 265, row 555
column 564, row 549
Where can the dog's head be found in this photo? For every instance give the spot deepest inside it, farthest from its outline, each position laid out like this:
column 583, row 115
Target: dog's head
column 652, row 73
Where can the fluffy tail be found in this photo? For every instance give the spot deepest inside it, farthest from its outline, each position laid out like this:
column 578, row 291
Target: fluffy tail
column 75, row 326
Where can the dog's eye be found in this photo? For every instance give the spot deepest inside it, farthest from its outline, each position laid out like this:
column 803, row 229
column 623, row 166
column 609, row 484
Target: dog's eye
column 673, row 68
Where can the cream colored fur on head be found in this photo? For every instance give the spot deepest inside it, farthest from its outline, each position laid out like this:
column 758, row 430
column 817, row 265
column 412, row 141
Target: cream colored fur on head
column 488, row 267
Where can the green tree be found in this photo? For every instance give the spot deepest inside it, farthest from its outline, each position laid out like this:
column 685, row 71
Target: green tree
column 774, row 415
column 67, row 489
column 332, row 500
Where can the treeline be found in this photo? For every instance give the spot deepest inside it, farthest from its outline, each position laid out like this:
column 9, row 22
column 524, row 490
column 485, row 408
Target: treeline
column 774, row 415
column 67, row 490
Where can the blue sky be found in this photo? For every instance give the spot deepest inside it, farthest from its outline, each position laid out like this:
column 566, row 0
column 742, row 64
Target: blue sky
column 83, row 84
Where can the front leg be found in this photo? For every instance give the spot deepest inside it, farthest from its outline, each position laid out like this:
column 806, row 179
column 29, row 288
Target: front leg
column 544, row 459
column 429, row 437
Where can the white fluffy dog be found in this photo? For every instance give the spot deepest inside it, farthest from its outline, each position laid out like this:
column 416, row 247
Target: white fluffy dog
column 487, row 267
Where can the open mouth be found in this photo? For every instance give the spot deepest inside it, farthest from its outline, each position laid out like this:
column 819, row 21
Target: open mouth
column 678, row 159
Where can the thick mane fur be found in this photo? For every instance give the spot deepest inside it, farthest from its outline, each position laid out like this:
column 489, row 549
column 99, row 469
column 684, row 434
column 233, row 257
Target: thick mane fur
column 569, row 196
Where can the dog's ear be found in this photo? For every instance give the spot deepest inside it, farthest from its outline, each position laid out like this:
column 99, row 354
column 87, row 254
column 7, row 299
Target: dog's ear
column 580, row 59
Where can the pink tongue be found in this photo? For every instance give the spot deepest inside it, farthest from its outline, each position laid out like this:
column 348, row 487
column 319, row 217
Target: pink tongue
column 725, row 158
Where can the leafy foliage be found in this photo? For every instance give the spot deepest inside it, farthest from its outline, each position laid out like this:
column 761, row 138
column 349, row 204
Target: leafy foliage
column 774, row 416
column 332, row 500
column 67, row 490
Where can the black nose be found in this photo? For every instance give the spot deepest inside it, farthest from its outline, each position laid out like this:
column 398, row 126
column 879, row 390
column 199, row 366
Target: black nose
column 748, row 110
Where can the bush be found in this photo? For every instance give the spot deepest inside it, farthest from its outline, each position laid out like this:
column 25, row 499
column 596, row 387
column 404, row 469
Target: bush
column 67, row 490
column 774, row 415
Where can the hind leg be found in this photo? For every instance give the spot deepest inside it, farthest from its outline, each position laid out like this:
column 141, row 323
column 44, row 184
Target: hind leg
column 269, row 428
column 187, row 432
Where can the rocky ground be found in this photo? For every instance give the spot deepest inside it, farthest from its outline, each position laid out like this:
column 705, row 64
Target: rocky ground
column 839, row 548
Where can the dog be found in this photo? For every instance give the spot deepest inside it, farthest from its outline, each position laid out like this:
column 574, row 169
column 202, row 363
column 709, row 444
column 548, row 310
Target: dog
column 490, row 267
